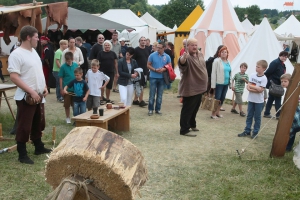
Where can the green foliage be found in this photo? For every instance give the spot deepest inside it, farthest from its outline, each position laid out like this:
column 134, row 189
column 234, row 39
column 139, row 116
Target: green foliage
column 90, row 6
column 298, row 17
column 269, row 12
column 177, row 10
column 253, row 13
column 8, row 2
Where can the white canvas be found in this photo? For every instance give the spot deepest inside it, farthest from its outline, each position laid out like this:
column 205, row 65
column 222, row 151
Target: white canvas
column 263, row 45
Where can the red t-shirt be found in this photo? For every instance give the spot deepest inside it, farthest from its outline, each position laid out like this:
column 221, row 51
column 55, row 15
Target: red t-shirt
column 181, row 51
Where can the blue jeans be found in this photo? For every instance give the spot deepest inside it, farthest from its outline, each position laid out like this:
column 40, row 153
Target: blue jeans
column 58, row 95
column 269, row 104
column 156, row 87
column 220, row 93
column 79, row 108
column 254, row 111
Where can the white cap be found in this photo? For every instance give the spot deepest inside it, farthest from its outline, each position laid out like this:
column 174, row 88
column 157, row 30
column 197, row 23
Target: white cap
column 122, row 39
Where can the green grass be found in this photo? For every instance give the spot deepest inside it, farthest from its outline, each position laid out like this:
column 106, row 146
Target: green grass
column 180, row 168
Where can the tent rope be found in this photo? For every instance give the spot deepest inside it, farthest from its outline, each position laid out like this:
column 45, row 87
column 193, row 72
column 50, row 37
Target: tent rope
column 244, row 149
column 53, row 195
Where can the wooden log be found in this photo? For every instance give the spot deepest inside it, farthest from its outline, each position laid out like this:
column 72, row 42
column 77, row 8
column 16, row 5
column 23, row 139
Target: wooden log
column 12, row 148
column 114, row 164
column 287, row 113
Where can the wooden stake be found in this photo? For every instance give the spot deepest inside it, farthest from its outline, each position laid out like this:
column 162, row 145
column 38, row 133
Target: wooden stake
column 287, row 113
column 1, row 136
column 12, row 148
column 53, row 134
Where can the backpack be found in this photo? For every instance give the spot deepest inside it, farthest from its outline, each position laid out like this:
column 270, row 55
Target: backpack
column 209, row 63
column 169, row 74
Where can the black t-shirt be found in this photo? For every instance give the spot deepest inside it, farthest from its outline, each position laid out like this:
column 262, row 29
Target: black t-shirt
column 95, row 50
column 169, row 52
column 107, row 60
column 80, row 89
column 141, row 57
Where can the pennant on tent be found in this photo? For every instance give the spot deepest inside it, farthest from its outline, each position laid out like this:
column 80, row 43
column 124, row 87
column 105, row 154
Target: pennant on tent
column 139, row 13
column 288, row 4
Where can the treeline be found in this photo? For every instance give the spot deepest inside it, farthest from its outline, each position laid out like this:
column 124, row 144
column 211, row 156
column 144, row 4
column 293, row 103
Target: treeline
column 255, row 15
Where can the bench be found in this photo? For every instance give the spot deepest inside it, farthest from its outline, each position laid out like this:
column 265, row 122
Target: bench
column 113, row 119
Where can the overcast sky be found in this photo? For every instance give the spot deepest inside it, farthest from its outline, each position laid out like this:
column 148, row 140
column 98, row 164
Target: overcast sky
column 263, row 4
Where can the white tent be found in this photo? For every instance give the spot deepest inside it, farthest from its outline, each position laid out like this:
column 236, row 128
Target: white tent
column 263, row 45
column 218, row 25
column 247, row 26
column 290, row 28
column 150, row 20
column 171, row 37
column 126, row 17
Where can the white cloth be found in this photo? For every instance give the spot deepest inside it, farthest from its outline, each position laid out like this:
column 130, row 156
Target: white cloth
column 95, row 82
column 126, row 93
column 260, row 81
column 78, row 57
column 28, row 65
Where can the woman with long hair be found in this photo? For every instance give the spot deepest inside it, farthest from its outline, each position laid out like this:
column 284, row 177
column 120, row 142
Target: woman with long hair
column 220, row 78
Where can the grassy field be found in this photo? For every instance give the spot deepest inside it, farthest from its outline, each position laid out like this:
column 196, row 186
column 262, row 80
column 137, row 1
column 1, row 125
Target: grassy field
column 183, row 168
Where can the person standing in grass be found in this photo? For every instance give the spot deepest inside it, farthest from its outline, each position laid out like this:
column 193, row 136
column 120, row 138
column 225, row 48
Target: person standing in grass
column 26, row 71
column 95, row 79
column 193, row 84
column 63, row 44
column 81, row 91
column 256, row 87
column 239, row 79
column 66, row 75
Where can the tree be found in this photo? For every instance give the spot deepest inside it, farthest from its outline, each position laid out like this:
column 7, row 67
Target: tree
column 298, row 17
column 177, row 10
column 8, row 2
column 240, row 12
column 253, row 14
column 91, row 6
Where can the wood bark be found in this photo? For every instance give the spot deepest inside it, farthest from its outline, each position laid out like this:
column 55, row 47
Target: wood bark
column 287, row 113
column 115, row 165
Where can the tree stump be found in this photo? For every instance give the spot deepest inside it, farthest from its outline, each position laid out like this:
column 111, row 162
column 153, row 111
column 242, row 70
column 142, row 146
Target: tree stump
column 114, row 164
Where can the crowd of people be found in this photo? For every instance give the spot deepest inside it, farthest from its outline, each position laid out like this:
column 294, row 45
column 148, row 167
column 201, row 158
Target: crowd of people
column 85, row 78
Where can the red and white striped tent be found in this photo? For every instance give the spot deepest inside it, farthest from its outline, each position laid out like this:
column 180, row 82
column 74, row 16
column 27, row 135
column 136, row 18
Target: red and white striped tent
column 218, row 25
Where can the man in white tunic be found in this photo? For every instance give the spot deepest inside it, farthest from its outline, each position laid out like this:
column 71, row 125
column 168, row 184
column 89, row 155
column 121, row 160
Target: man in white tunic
column 26, row 71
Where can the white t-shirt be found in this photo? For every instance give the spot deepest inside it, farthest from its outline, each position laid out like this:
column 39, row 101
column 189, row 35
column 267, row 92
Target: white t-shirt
column 28, row 65
column 260, row 81
column 95, row 82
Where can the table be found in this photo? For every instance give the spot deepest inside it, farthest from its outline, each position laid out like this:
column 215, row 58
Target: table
column 3, row 88
column 118, row 120
column 4, row 60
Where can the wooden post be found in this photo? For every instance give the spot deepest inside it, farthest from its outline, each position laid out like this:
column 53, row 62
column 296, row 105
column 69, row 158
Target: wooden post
column 287, row 113
column 1, row 136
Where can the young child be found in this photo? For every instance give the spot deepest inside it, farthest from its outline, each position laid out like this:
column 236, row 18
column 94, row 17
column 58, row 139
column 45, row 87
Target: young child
column 81, row 92
column 66, row 75
column 256, row 86
column 95, row 80
column 240, row 79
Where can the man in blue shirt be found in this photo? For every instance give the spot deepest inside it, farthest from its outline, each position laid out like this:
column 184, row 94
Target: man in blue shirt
column 156, row 63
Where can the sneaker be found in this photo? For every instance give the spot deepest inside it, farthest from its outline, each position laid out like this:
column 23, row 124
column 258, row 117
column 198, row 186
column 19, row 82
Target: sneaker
column 136, row 102
column 61, row 100
column 142, row 104
column 244, row 134
column 234, row 111
column 267, row 116
column 242, row 114
column 158, row 112
column 150, row 113
column 253, row 135
column 68, row 120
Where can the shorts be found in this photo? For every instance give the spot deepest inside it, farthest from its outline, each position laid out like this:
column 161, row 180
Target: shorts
column 111, row 76
column 68, row 101
column 238, row 98
column 92, row 102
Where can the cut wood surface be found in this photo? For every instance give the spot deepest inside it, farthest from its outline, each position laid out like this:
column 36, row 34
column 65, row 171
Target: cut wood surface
column 287, row 113
column 114, row 164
